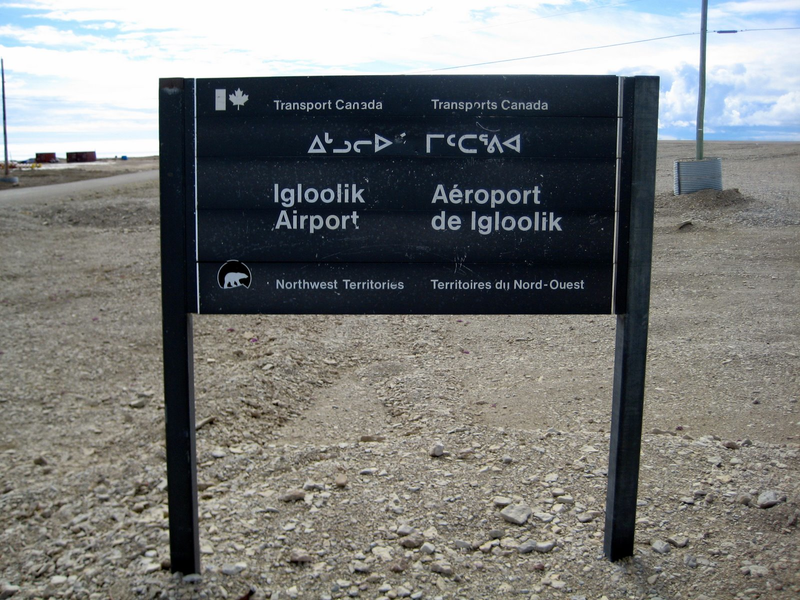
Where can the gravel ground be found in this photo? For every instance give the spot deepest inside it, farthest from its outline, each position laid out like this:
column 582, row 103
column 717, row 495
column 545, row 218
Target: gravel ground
column 405, row 457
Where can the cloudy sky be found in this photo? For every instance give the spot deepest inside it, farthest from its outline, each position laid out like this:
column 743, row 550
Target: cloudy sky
column 83, row 74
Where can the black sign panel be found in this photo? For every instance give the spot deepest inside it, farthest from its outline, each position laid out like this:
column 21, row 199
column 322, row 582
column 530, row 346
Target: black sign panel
column 426, row 137
column 397, row 184
column 461, row 96
column 411, row 194
column 398, row 288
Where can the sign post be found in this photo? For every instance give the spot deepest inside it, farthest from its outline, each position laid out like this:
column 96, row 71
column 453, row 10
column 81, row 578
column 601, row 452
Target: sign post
column 406, row 195
column 632, row 325
column 176, row 312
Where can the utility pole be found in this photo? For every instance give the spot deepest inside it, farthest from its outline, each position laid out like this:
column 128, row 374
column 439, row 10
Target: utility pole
column 5, row 178
column 5, row 134
column 701, row 94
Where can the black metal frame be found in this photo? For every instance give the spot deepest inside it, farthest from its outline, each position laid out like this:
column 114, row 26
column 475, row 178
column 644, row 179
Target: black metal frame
column 179, row 302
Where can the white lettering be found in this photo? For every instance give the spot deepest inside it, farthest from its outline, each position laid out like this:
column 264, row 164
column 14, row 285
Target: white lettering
column 341, row 193
column 313, row 223
column 493, row 197
column 486, row 224
column 359, row 105
column 523, row 105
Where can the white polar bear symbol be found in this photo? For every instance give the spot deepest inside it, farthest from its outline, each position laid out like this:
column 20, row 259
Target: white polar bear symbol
column 233, row 280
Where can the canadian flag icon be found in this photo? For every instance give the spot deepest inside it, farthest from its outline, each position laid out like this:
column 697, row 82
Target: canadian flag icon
column 238, row 98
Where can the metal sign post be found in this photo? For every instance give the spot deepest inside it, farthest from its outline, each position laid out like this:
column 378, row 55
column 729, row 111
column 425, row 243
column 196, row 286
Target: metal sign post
column 632, row 324
column 406, row 195
column 184, row 537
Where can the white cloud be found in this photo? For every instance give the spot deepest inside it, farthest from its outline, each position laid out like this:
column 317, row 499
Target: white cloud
column 751, row 7
column 105, row 57
column 45, row 36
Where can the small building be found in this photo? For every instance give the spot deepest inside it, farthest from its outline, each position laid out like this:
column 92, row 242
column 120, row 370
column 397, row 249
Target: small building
column 46, row 157
column 81, row 157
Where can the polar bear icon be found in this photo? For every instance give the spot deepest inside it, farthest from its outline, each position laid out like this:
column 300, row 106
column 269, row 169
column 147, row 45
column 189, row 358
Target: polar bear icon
column 234, row 274
column 233, row 280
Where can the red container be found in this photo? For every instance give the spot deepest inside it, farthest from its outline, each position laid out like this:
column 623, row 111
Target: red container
column 81, row 157
column 46, row 157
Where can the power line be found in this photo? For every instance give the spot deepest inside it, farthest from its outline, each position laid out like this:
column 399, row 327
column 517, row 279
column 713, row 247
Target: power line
column 654, row 39
column 760, row 29
column 505, row 60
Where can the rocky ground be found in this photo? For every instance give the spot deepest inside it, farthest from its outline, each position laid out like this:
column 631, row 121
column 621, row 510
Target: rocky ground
column 453, row 457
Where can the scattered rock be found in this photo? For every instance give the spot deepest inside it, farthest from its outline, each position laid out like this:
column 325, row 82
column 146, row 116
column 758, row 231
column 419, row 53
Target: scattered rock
column 398, row 566
column 294, row 495
column 361, row 567
column 678, row 541
column 436, row 450
column 383, row 553
column 544, row 547
column 427, row 548
column 517, row 514
column 413, row 540
column 769, row 499
column 657, row 431
column 660, row 546
column 526, row 547
column 7, row 590
column 496, row 534
column 792, row 520
column 405, row 529
column 588, row 516
column 298, row 555
column 755, row 570
column 235, row 569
